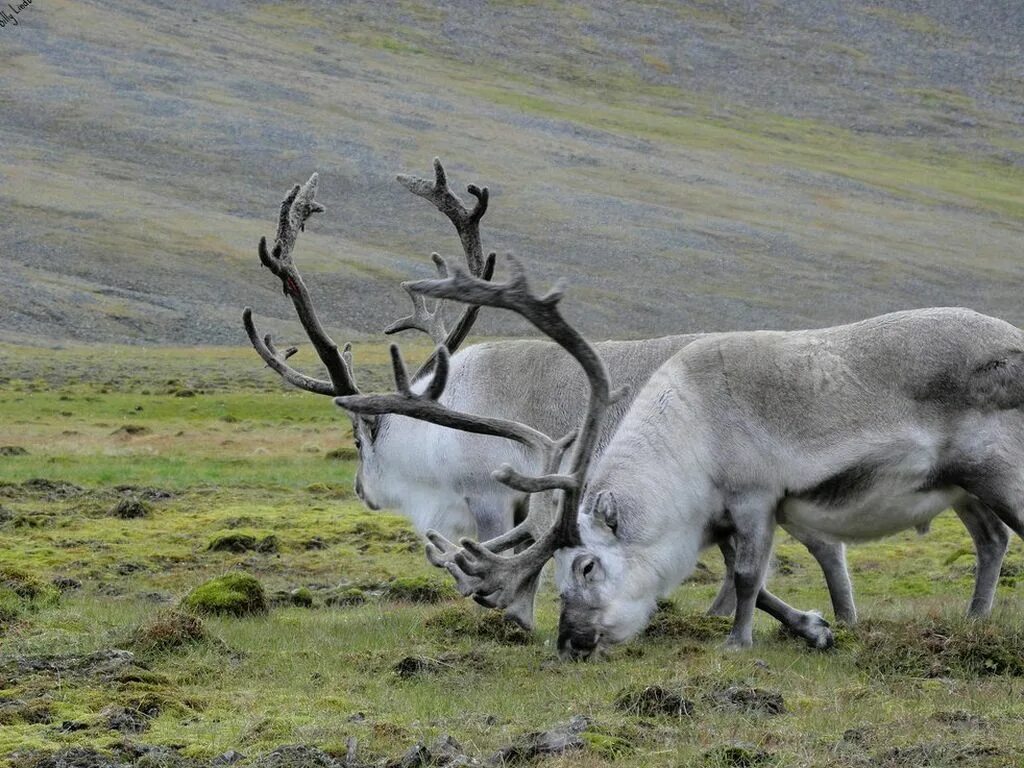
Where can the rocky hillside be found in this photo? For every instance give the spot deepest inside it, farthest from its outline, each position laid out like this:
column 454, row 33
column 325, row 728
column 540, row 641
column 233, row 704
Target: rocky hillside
column 688, row 165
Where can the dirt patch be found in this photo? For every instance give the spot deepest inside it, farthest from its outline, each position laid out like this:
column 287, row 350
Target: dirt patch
column 145, row 492
column 52, row 490
column 652, row 701
column 296, row 756
column 131, row 430
column 938, row 754
column 13, row 450
column 738, row 698
column 106, row 665
column 345, row 596
column 961, row 720
column 243, row 542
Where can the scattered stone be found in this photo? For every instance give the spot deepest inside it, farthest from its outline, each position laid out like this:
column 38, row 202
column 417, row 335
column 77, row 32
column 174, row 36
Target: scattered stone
column 130, row 509
column 652, row 701
column 13, row 450
column 236, row 594
column 560, row 739
column 737, row 698
column 66, row 583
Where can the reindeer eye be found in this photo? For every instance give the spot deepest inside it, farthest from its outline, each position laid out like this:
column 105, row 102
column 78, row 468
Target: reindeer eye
column 588, row 568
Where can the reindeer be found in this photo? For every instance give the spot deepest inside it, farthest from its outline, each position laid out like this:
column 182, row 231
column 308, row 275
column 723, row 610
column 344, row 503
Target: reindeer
column 853, row 432
column 440, row 478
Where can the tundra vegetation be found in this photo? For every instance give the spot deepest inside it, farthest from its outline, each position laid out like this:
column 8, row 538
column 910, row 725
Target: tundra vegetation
column 98, row 653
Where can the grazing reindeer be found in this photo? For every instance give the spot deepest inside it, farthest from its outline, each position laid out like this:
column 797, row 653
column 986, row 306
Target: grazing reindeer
column 440, row 478
column 853, row 432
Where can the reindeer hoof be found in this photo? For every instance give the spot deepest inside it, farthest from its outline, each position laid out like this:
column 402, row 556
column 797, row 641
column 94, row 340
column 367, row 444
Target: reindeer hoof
column 738, row 643
column 816, row 632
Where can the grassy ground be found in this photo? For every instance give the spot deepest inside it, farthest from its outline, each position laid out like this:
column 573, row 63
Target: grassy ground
column 913, row 685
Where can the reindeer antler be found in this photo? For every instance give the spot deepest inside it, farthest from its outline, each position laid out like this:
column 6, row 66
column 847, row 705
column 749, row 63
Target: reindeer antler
column 493, row 580
column 467, row 224
column 296, row 208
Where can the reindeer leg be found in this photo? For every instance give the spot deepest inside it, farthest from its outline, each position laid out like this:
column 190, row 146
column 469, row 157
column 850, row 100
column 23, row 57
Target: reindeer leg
column 990, row 543
column 725, row 600
column 810, row 625
column 831, row 556
column 754, row 521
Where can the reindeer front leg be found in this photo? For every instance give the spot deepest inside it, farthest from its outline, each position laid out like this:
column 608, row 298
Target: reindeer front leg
column 754, row 521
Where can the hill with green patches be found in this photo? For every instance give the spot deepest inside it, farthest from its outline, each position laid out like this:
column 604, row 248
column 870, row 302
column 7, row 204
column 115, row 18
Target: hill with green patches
column 688, row 165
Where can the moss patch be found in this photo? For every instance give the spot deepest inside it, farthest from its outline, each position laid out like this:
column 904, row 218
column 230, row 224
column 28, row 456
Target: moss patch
column 236, row 594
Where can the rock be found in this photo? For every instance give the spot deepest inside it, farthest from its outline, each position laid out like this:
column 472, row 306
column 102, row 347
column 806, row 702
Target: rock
column 235, row 594
column 66, row 583
column 653, row 700
column 127, row 720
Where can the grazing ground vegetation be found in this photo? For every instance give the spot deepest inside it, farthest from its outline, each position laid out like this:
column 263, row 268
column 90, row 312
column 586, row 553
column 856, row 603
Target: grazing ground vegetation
column 116, row 643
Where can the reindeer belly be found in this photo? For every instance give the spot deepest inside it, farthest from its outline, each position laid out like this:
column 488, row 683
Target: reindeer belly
column 870, row 500
column 869, row 517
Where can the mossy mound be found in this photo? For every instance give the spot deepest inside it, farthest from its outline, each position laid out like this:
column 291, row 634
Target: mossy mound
column 936, row 647
column 419, row 589
column 234, row 594
column 460, row 622
column 237, row 542
column 668, row 621
column 736, row 756
column 131, row 509
column 21, row 592
column 167, row 630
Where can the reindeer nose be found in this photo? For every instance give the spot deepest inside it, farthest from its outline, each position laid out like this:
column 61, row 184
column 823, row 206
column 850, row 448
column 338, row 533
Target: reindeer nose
column 577, row 645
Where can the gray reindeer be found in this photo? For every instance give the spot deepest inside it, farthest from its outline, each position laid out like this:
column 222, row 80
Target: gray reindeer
column 851, row 433
column 441, row 478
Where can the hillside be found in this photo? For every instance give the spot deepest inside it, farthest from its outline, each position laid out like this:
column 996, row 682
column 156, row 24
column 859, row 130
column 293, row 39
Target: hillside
column 687, row 165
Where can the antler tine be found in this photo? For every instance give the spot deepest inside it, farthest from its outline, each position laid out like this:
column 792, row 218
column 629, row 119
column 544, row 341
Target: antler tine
column 296, row 209
column 276, row 361
column 467, row 225
column 425, row 406
column 422, row 319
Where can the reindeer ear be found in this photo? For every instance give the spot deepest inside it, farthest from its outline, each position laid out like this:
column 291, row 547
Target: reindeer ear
column 606, row 511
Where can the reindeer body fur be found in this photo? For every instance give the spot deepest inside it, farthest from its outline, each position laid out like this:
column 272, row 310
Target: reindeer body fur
column 852, row 432
column 441, row 479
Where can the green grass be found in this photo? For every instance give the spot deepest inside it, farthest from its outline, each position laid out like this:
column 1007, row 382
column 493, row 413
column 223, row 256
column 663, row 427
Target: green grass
column 319, row 675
